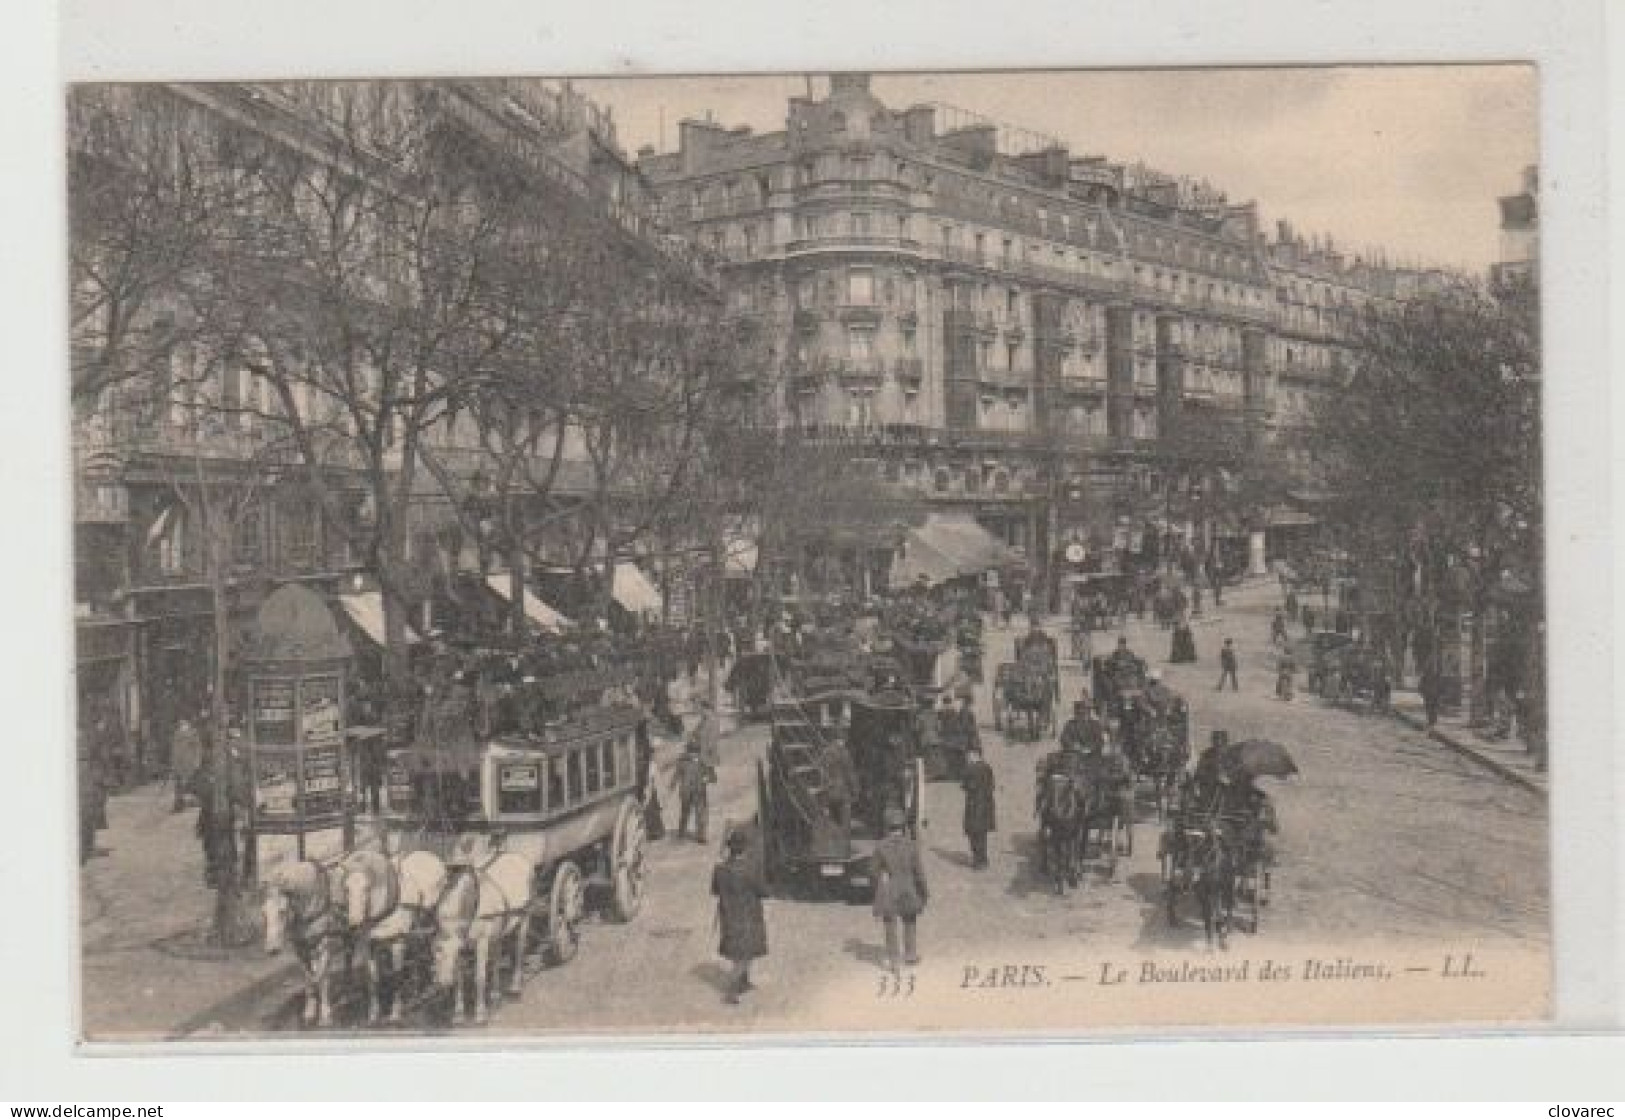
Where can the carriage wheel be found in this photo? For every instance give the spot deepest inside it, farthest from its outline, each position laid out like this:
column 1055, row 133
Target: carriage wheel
column 565, row 907
column 629, row 874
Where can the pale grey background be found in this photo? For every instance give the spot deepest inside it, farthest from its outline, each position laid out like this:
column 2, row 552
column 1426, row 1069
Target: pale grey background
column 121, row 39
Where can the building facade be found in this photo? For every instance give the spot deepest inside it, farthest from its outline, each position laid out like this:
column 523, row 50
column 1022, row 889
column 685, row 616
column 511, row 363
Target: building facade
column 1072, row 350
column 186, row 444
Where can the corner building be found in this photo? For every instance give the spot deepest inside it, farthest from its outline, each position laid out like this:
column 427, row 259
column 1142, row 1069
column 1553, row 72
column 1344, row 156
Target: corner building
column 1069, row 349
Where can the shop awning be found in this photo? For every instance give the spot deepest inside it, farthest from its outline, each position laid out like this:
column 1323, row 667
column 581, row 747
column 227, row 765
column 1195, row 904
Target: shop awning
column 535, row 610
column 633, row 590
column 947, row 546
column 920, row 559
column 366, row 610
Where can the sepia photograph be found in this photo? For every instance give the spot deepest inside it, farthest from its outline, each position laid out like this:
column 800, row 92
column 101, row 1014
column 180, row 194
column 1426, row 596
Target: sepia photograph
column 1029, row 552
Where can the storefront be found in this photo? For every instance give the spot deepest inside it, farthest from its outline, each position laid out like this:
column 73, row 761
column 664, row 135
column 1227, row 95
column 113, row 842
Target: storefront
column 108, row 704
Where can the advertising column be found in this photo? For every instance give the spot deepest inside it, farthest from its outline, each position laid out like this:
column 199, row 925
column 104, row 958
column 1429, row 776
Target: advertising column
column 296, row 667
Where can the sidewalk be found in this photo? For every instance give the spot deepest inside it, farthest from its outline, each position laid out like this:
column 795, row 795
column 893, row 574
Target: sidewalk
column 1507, row 758
column 148, row 970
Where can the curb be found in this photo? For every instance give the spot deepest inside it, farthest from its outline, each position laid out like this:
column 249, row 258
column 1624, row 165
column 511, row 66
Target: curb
column 230, row 1011
column 1491, row 764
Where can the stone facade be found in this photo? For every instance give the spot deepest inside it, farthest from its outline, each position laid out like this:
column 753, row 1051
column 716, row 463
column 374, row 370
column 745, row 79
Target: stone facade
column 1061, row 344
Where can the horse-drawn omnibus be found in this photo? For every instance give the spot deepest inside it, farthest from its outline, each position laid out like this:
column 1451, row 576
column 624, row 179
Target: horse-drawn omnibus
column 564, row 798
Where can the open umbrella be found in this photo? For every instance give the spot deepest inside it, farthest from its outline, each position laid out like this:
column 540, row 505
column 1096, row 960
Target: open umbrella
column 1245, row 760
column 1263, row 758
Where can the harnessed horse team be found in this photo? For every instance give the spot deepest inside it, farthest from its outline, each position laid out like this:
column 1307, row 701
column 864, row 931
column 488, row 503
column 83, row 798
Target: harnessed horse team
column 374, row 907
column 1086, row 791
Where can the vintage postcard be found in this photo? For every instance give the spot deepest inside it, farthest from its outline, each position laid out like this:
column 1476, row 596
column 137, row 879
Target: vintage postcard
column 1038, row 552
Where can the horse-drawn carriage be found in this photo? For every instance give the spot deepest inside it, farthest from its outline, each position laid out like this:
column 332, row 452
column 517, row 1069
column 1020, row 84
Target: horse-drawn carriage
column 1029, row 687
column 1156, row 743
column 1101, row 600
column 1085, row 809
column 750, row 681
column 1216, row 845
column 1116, row 682
column 833, row 764
column 487, row 849
column 1351, row 672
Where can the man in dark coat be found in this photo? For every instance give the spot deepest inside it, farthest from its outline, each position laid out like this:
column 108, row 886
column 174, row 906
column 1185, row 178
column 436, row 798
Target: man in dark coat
column 370, row 763
column 1122, row 661
column 654, row 821
column 842, row 778
column 92, row 801
column 694, row 778
column 901, row 892
column 1227, row 667
column 958, row 727
column 1432, row 689
column 980, row 816
column 1083, row 731
column 743, row 924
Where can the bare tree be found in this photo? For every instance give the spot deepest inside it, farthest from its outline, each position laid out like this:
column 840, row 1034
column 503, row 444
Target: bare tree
column 359, row 279
column 1433, row 447
column 147, row 196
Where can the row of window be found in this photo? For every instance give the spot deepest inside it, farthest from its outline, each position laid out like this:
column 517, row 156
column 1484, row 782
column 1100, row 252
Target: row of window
column 1206, row 257
column 857, row 287
column 555, row 782
column 173, row 545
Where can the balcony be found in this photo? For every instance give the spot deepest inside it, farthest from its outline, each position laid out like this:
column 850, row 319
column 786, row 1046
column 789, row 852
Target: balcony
column 1006, row 379
column 201, row 435
column 909, row 372
column 841, row 242
column 806, row 377
column 1032, row 270
column 859, row 373
column 871, row 436
column 991, row 439
column 1090, row 386
column 859, row 312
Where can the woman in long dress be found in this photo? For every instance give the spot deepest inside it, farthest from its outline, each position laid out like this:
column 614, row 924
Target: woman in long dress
column 1184, row 643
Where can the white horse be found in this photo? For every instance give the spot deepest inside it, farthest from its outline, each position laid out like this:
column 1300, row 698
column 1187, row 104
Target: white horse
column 483, row 907
column 422, row 880
column 300, row 911
column 325, row 912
